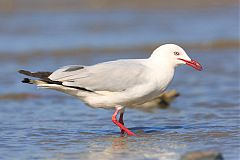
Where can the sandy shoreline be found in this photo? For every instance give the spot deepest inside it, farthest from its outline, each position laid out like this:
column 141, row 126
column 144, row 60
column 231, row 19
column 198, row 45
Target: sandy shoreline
column 62, row 5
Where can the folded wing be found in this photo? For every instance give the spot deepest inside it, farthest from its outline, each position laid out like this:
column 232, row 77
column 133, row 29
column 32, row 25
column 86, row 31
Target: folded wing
column 114, row 76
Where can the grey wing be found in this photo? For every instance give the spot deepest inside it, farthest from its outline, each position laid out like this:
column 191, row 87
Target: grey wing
column 109, row 76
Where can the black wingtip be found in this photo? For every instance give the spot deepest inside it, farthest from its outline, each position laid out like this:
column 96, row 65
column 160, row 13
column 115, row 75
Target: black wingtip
column 20, row 71
column 26, row 80
column 24, row 72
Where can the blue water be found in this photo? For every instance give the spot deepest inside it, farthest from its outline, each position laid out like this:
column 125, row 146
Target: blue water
column 57, row 126
column 26, row 31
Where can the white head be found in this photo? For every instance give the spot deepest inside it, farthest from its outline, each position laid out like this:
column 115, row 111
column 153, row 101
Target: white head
column 174, row 55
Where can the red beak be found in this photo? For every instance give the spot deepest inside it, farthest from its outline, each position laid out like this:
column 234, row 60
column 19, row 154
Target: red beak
column 193, row 64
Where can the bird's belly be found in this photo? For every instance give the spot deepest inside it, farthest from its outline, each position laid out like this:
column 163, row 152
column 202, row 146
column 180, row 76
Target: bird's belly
column 128, row 98
column 153, row 93
column 110, row 101
column 145, row 98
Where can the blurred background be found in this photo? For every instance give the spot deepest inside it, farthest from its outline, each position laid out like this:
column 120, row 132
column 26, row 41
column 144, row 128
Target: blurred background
column 45, row 35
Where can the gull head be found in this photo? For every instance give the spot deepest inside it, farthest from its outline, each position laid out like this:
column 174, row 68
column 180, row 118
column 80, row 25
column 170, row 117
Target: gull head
column 174, row 55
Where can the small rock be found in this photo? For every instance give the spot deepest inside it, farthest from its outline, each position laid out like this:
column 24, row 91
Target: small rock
column 202, row 155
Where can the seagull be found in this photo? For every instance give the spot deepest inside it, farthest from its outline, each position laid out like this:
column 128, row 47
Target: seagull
column 117, row 84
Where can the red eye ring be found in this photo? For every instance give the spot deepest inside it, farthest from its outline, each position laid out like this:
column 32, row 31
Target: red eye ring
column 176, row 53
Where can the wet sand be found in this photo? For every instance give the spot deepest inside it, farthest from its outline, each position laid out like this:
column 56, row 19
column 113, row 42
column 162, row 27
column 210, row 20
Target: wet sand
column 61, row 5
column 219, row 44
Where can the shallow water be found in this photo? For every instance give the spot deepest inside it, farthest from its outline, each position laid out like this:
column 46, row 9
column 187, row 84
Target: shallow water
column 51, row 125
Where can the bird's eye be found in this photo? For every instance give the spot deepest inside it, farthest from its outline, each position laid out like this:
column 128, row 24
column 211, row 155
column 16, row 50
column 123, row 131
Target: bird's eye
column 176, row 53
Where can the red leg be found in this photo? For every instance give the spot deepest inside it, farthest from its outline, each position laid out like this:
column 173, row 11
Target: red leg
column 120, row 125
column 121, row 121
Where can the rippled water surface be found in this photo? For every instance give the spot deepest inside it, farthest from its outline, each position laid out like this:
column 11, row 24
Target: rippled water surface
column 51, row 125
